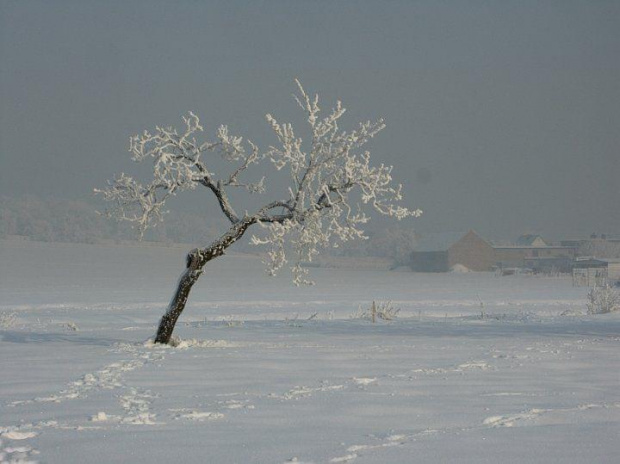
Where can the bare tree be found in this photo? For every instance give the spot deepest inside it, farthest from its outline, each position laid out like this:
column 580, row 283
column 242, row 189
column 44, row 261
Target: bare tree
column 316, row 212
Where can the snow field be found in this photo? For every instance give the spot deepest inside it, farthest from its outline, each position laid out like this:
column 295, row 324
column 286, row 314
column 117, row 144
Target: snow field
column 475, row 368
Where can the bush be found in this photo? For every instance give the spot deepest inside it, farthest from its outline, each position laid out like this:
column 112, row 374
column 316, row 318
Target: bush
column 376, row 311
column 603, row 300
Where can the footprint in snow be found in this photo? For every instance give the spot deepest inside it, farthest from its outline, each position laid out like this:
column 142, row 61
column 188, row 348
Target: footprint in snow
column 199, row 416
column 18, row 453
column 363, row 381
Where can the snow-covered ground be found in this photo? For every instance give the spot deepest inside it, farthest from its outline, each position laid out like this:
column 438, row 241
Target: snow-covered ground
column 476, row 368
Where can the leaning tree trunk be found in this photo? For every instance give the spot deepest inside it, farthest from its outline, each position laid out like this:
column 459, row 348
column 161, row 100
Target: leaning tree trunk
column 196, row 260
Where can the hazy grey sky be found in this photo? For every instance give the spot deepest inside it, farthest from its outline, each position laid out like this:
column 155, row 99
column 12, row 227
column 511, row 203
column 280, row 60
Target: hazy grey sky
column 502, row 116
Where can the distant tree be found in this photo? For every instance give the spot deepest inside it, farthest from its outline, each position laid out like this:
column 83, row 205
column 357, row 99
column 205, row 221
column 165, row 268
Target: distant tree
column 52, row 220
column 600, row 249
column 316, row 212
column 8, row 221
column 394, row 243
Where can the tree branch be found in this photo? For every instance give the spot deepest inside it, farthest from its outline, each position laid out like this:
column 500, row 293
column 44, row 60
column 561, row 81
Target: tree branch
column 222, row 198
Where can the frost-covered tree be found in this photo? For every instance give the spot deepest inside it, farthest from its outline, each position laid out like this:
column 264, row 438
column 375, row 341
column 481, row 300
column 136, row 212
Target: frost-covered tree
column 321, row 207
column 394, row 243
column 603, row 300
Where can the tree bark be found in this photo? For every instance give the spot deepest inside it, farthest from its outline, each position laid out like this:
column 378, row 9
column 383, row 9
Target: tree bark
column 179, row 299
column 196, row 260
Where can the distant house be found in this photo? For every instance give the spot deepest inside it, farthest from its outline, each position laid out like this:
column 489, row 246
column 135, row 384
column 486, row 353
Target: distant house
column 613, row 270
column 574, row 243
column 530, row 240
column 592, row 272
column 536, row 257
column 442, row 251
column 593, row 241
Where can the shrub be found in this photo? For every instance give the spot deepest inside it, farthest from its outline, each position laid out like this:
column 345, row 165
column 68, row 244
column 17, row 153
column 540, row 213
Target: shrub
column 376, row 311
column 603, row 300
column 7, row 319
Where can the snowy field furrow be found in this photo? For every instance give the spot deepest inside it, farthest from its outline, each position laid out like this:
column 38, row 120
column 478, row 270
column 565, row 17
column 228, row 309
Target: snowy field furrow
column 475, row 368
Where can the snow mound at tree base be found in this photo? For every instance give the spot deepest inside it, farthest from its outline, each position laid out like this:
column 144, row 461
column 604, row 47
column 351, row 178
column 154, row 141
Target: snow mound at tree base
column 183, row 344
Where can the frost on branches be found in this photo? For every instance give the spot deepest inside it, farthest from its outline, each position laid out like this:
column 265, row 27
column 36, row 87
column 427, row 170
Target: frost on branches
column 603, row 300
column 331, row 177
